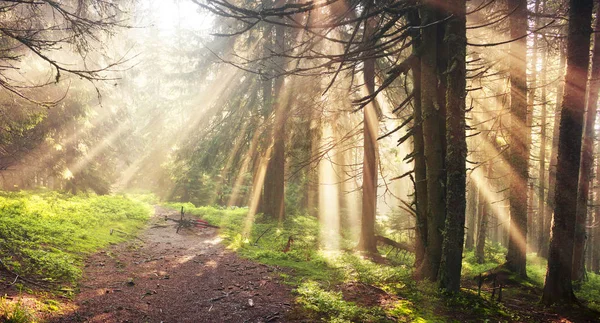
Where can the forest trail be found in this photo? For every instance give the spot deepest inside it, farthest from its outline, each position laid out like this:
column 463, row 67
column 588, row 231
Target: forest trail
column 166, row 276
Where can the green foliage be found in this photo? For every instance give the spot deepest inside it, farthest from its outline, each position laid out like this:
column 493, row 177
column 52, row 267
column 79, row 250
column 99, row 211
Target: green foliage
column 15, row 312
column 494, row 256
column 590, row 291
column 331, row 306
column 46, row 234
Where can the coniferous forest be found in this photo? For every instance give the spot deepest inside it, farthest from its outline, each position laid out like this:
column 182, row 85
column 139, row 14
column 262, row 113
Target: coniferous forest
column 299, row 161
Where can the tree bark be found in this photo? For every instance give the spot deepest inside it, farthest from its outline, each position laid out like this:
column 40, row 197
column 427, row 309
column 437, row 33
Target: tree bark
column 419, row 166
column 456, row 148
column 545, row 234
column 530, row 105
column 519, row 145
column 587, row 160
column 471, row 214
column 542, row 170
column 557, row 289
column 433, row 140
column 483, row 221
column 274, row 186
column 367, row 242
column 596, row 235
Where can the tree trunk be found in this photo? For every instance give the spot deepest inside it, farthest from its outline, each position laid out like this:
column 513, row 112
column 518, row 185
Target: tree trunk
column 483, row 221
column 519, row 145
column 471, row 214
column 433, row 140
column 456, row 148
column 542, row 170
column 587, row 161
column 274, row 186
column 557, row 288
column 420, row 168
column 545, row 234
column 596, row 236
column 367, row 242
column 530, row 105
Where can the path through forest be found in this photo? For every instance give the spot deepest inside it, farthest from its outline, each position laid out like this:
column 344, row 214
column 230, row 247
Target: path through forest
column 177, row 277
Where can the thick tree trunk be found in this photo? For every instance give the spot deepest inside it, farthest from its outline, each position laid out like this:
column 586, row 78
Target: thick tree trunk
column 456, row 148
column 558, row 288
column 420, row 168
column 367, row 242
column 545, row 234
column 519, row 145
column 433, row 140
column 587, row 160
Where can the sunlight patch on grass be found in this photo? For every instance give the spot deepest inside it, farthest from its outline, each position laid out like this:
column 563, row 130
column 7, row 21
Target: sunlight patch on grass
column 47, row 234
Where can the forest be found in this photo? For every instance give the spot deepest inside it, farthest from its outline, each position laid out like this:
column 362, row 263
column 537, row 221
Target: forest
column 299, row 161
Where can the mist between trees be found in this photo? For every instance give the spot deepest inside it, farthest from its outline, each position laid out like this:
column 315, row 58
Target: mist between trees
column 438, row 126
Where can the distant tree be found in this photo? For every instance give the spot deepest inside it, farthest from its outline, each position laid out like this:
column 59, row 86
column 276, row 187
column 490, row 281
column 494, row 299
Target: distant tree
column 558, row 287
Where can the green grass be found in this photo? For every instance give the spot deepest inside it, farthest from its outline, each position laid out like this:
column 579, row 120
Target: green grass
column 46, row 235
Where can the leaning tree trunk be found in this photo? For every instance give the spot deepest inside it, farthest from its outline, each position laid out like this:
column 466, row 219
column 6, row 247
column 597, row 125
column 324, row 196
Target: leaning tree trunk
column 456, row 151
column 558, row 287
column 433, row 140
column 587, row 160
column 519, row 145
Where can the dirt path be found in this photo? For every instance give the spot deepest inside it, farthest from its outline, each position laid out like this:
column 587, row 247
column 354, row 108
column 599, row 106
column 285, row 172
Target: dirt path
column 177, row 277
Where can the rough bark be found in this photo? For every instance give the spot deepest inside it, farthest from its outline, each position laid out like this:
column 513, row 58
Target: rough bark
column 419, row 165
column 456, row 148
column 557, row 289
column 433, row 140
column 545, row 234
column 587, row 160
column 519, row 146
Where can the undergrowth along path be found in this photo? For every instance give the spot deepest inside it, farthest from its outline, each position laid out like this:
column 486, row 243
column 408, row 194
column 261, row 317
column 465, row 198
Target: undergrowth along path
column 177, row 277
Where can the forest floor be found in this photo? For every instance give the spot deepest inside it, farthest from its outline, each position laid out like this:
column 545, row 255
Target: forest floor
column 190, row 276
column 166, row 276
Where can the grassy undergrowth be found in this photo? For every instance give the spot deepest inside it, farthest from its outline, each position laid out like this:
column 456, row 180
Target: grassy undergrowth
column 45, row 235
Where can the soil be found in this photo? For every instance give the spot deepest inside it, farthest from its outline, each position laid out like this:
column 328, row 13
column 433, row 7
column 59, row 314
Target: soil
column 166, row 276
